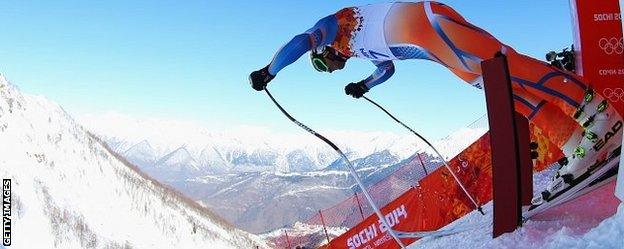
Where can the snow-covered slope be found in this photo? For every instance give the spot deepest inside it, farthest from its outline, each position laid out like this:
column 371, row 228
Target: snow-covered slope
column 142, row 153
column 177, row 164
column 457, row 141
column 69, row 191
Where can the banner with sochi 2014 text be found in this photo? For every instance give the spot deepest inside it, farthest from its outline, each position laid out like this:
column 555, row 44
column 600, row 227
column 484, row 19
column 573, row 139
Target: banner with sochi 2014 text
column 437, row 200
column 599, row 47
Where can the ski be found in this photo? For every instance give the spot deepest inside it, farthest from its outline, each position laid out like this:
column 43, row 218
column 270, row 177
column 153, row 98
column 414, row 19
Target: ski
column 441, row 232
column 597, row 175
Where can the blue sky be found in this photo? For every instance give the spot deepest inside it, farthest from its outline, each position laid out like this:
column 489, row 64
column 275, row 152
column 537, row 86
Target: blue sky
column 189, row 60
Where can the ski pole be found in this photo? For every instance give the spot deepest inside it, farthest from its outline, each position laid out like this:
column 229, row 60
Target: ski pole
column 435, row 150
column 344, row 157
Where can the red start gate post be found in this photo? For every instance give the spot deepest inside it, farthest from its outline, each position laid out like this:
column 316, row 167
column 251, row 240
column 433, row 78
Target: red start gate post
column 509, row 141
column 526, row 162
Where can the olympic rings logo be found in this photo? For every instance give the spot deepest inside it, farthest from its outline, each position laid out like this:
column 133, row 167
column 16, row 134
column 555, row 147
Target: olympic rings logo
column 613, row 45
column 614, row 94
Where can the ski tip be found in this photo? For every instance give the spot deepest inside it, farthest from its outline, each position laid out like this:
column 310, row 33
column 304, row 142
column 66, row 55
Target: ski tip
column 480, row 210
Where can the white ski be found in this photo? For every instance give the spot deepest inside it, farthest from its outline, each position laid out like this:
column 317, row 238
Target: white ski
column 605, row 172
column 440, row 232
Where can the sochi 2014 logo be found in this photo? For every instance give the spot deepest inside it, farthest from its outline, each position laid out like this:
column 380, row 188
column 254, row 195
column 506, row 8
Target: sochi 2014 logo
column 611, row 45
column 614, row 94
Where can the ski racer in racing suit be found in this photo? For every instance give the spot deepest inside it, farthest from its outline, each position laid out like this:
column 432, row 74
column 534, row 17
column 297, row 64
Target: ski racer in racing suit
column 573, row 116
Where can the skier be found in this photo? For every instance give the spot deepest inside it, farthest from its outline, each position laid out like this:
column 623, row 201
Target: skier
column 581, row 122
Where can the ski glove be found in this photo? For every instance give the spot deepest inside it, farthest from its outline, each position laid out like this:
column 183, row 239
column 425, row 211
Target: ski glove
column 259, row 79
column 356, row 90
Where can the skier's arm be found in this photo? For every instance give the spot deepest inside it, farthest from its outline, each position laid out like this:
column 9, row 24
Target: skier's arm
column 385, row 70
column 323, row 33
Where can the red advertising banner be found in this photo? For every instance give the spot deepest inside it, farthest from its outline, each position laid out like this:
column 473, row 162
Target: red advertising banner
column 437, row 200
column 599, row 47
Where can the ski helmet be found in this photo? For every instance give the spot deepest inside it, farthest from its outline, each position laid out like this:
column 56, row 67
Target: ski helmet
column 327, row 59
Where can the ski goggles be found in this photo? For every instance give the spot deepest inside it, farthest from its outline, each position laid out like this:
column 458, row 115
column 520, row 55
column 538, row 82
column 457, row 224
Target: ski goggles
column 320, row 65
column 327, row 60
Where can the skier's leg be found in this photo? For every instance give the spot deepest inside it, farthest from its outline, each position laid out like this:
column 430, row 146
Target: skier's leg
column 449, row 39
column 592, row 112
column 557, row 126
column 452, row 41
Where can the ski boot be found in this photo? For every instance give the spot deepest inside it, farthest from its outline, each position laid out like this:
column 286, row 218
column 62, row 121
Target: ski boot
column 563, row 178
column 601, row 128
column 602, row 131
column 588, row 105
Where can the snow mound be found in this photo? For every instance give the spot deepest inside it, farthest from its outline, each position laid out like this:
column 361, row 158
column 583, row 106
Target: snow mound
column 609, row 234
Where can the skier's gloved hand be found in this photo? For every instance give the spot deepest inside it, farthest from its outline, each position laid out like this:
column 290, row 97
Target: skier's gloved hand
column 260, row 78
column 356, row 90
